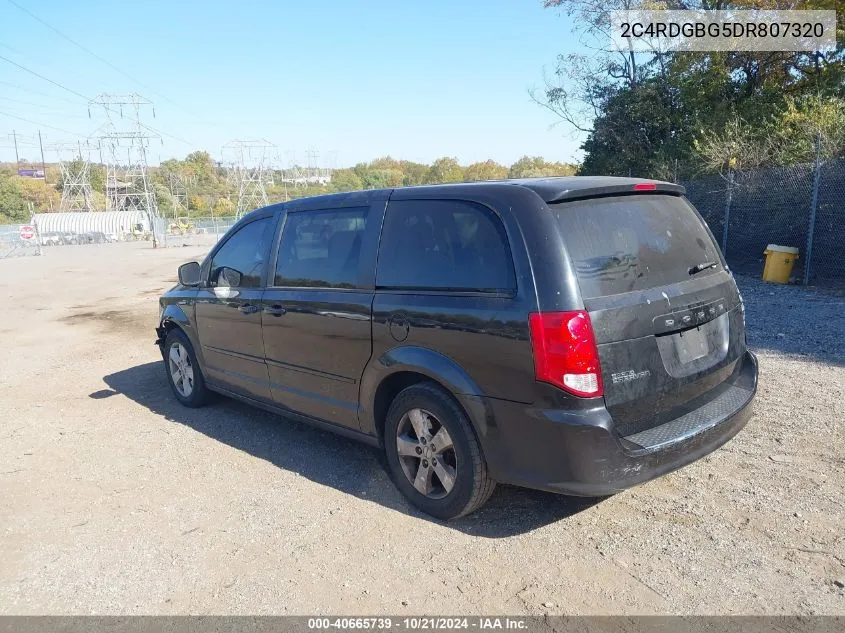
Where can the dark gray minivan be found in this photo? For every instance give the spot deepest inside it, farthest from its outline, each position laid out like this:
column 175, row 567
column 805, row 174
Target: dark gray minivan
column 579, row 335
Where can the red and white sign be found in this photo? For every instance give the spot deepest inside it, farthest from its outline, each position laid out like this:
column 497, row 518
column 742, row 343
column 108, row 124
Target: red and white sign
column 27, row 232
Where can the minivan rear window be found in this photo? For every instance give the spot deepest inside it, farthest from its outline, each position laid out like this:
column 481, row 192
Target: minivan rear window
column 625, row 243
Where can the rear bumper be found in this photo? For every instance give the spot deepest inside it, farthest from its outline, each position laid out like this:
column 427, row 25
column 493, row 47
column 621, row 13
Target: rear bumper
column 579, row 453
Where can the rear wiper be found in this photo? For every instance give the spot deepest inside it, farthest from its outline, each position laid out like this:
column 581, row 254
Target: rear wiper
column 702, row 266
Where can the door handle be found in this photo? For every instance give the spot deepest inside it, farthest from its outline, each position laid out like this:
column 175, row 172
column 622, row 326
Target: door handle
column 248, row 308
column 275, row 310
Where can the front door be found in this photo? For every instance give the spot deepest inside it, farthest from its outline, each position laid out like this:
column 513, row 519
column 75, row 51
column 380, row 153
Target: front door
column 228, row 311
column 317, row 313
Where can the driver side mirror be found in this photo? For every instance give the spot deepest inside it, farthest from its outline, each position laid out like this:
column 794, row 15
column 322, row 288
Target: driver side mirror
column 189, row 274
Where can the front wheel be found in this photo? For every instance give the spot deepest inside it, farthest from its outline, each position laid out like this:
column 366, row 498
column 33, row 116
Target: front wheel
column 184, row 372
column 433, row 454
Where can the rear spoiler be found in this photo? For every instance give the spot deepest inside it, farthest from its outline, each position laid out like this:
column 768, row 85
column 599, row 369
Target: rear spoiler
column 636, row 188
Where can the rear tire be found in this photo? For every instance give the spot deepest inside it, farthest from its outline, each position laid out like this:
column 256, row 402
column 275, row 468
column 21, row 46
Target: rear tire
column 441, row 469
column 183, row 370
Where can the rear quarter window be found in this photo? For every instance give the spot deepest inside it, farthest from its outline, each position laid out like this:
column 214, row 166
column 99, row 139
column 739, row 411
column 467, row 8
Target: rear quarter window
column 450, row 245
column 628, row 243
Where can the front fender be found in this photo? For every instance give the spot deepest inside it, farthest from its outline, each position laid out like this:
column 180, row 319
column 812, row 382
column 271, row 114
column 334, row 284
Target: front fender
column 433, row 365
column 175, row 315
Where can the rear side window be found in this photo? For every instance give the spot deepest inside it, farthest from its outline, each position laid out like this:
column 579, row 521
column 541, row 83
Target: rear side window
column 240, row 260
column 626, row 243
column 444, row 245
column 321, row 249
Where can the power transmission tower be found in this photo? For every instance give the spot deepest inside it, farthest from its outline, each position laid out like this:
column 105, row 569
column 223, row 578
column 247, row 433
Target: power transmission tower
column 251, row 160
column 331, row 166
column 75, row 165
column 179, row 194
column 230, row 168
column 293, row 173
column 313, row 158
column 278, row 168
column 315, row 174
column 125, row 141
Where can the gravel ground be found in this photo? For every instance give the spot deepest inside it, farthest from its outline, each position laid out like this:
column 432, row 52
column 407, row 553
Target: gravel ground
column 115, row 499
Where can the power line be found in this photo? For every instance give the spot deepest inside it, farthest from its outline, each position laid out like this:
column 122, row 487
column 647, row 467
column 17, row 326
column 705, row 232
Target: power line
column 30, row 58
column 40, row 94
column 47, row 79
column 52, row 127
column 99, row 58
column 12, row 48
column 175, row 138
column 55, row 83
column 72, row 41
column 78, row 94
column 44, row 106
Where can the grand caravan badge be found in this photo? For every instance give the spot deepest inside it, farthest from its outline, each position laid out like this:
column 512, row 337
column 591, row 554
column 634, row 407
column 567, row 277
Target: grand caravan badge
column 629, row 376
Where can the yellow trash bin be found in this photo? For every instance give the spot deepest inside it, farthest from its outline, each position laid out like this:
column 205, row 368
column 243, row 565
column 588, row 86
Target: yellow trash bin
column 779, row 262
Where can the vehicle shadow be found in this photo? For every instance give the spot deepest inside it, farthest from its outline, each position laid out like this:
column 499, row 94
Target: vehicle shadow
column 329, row 459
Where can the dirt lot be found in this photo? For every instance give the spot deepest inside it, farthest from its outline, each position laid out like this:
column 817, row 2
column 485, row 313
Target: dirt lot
column 115, row 499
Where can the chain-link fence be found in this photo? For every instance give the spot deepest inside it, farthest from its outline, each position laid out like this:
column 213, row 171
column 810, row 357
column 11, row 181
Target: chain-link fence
column 828, row 247
column 194, row 231
column 161, row 232
column 797, row 205
column 19, row 240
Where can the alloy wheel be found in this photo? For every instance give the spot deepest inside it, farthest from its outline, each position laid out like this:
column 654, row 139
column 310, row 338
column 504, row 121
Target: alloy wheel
column 181, row 370
column 426, row 453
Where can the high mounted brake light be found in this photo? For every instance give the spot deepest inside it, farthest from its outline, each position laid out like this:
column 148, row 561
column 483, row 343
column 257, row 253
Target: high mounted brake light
column 645, row 186
column 565, row 352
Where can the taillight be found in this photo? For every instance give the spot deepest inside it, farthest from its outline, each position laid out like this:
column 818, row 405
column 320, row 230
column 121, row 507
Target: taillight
column 565, row 352
column 645, row 186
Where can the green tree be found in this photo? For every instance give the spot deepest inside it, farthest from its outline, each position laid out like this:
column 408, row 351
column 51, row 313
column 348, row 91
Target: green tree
column 200, row 167
column 536, row 166
column 163, row 199
column 487, row 170
column 382, row 178
column 13, row 206
column 385, row 162
column 445, row 170
column 44, row 197
column 646, row 113
column 198, row 205
column 98, row 178
column 414, row 173
column 639, row 133
column 224, row 206
column 806, row 121
column 346, row 180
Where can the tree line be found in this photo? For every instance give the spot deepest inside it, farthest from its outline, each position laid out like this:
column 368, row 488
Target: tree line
column 674, row 115
column 206, row 187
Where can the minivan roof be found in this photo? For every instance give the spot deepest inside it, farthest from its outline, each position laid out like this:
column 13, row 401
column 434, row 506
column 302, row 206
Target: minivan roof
column 561, row 188
column 550, row 189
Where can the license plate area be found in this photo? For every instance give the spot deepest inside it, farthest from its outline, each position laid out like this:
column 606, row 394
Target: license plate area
column 690, row 345
column 696, row 349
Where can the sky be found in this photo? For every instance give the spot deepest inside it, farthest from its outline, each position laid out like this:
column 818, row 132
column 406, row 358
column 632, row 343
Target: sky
column 350, row 80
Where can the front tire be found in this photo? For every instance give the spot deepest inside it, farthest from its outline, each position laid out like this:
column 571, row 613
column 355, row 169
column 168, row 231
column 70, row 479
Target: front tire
column 183, row 370
column 433, row 454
